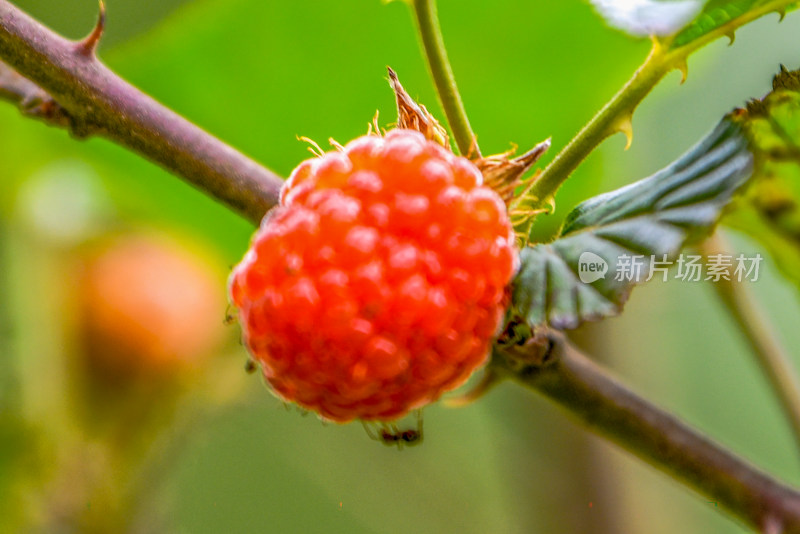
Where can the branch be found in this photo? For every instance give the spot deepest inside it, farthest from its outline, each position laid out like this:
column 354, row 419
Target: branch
column 561, row 373
column 31, row 99
column 66, row 85
column 773, row 360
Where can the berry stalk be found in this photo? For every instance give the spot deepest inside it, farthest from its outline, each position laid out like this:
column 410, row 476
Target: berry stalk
column 436, row 54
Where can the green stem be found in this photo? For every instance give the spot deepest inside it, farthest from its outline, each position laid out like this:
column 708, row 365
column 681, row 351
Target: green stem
column 616, row 115
column 769, row 354
column 431, row 34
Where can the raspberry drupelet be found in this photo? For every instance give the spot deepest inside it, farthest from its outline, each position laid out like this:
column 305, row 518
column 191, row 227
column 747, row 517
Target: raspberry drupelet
column 379, row 281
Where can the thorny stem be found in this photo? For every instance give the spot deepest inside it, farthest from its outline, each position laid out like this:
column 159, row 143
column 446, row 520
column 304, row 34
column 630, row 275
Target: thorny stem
column 560, row 372
column 431, row 34
column 752, row 323
column 616, row 115
column 87, row 98
column 95, row 100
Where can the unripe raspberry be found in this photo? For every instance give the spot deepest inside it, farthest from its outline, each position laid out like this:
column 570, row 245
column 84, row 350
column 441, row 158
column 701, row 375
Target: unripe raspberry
column 149, row 308
column 379, row 282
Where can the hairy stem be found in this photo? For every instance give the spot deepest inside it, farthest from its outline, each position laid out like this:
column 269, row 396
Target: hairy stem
column 617, row 114
column 90, row 99
column 431, row 34
column 760, row 336
column 614, row 117
column 605, row 406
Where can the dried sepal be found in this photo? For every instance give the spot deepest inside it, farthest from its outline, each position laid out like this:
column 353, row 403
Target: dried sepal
column 505, row 174
column 786, row 79
column 413, row 116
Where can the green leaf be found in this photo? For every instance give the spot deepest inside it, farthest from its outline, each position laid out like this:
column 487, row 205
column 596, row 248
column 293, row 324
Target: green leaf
column 652, row 219
column 724, row 16
column 770, row 212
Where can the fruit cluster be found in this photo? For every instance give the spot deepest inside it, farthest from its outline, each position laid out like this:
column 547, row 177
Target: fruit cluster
column 380, row 280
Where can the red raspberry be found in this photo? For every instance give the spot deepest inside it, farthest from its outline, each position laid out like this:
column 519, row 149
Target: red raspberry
column 379, row 282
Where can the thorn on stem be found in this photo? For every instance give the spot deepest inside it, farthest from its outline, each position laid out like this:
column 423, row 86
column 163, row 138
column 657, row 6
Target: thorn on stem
column 683, row 66
column 88, row 46
column 625, row 126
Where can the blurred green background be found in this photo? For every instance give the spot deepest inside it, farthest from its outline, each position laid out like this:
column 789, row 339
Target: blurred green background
column 257, row 74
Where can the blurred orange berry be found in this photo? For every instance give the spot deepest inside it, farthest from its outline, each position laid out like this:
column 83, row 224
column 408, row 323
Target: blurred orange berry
column 150, row 305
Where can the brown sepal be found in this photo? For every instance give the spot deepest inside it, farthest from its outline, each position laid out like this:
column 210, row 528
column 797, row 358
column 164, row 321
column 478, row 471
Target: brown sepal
column 504, row 174
column 786, row 79
column 413, row 116
column 758, row 107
